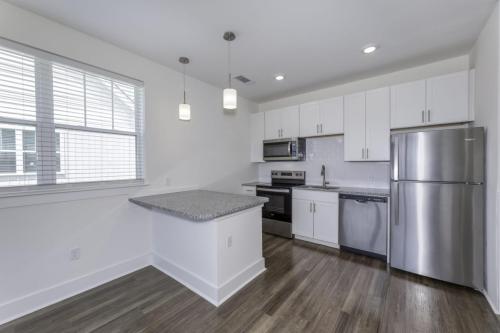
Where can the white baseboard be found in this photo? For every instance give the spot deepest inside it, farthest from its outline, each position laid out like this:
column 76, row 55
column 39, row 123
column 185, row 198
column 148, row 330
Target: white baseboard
column 490, row 302
column 192, row 281
column 240, row 280
column 317, row 241
column 213, row 294
column 48, row 296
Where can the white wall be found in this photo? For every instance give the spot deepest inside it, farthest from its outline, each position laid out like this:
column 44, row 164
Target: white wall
column 485, row 59
column 330, row 152
column 37, row 234
column 416, row 73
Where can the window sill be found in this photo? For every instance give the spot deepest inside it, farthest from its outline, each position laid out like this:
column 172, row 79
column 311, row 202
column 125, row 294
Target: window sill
column 68, row 188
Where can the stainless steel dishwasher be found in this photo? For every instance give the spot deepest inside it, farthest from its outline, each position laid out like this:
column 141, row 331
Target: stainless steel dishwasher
column 363, row 224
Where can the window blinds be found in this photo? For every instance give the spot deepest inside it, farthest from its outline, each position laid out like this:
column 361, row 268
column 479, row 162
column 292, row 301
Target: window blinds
column 66, row 122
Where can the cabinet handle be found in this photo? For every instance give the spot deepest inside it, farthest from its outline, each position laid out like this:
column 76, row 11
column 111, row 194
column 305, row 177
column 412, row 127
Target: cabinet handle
column 362, row 153
column 310, row 207
column 429, row 115
column 317, row 129
column 366, row 153
column 314, row 207
column 423, row 116
column 321, row 128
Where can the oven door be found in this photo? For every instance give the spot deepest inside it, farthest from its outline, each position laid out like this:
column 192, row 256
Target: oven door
column 278, row 150
column 279, row 206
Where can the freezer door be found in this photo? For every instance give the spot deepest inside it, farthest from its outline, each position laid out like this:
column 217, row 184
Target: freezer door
column 455, row 155
column 437, row 231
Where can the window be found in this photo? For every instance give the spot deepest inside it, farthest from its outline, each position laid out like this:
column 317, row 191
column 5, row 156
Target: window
column 64, row 122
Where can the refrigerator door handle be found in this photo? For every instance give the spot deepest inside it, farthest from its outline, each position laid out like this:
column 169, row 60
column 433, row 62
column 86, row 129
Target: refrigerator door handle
column 396, row 203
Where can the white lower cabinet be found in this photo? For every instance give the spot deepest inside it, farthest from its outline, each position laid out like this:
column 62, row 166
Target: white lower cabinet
column 302, row 218
column 248, row 190
column 315, row 216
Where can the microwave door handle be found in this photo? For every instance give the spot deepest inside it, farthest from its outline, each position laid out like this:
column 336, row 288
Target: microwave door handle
column 289, row 148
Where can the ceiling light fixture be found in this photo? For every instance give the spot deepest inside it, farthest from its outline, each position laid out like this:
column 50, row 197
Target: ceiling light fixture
column 184, row 108
column 369, row 49
column 229, row 96
column 279, row 77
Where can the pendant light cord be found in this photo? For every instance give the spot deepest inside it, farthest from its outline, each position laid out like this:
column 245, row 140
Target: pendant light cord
column 184, row 81
column 229, row 62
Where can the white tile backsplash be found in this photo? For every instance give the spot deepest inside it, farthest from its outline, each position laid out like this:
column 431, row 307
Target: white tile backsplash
column 330, row 152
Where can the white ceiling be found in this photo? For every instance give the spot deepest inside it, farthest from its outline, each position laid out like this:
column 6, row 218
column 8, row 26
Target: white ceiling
column 315, row 43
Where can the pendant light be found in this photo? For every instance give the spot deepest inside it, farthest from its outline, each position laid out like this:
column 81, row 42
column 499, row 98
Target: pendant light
column 229, row 99
column 184, row 108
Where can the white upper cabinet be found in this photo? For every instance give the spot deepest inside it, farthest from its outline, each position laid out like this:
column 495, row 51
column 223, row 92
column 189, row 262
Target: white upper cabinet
column 256, row 137
column 439, row 100
column 273, row 124
column 448, row 99
column 322, row 118
column 408, row 104
column 309, row 119
column 354, row 127
column 331, row 116
column 378, row 131
column 366, row 126
column 282, row 123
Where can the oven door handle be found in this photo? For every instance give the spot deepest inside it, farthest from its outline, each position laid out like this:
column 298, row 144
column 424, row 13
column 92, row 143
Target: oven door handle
column 272, row 190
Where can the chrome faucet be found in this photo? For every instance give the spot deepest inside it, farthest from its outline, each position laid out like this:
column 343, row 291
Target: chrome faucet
column 323, row 173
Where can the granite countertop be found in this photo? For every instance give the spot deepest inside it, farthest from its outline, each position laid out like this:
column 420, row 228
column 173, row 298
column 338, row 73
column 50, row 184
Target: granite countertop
column 351, row 190
column 199, row 205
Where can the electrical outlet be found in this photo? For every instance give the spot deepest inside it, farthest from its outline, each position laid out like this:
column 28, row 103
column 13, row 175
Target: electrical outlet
column 75, row 254
column 230, row 241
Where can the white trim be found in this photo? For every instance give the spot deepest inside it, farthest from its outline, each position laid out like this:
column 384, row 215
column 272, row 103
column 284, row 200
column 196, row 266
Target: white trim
column 238, row 281
column 213, row 294
column 490, row 302
column 189, row 279
column 316, row 241
column 37, row 300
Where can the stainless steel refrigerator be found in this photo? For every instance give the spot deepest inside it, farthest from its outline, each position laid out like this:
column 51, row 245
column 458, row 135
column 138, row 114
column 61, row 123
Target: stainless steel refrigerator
column 437, row 204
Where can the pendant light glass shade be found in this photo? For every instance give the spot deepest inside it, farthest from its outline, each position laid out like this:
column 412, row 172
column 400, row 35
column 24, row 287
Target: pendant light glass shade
column 184, row 111
column 184, row 108
column 230, row 99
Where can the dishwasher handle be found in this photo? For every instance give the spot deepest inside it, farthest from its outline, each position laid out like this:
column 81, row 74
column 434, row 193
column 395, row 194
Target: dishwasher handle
column 362, row 198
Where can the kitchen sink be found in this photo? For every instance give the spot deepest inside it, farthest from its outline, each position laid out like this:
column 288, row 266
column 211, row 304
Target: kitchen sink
column 318, row 187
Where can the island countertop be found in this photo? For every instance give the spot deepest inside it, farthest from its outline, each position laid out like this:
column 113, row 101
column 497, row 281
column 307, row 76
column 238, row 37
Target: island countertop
column 199, row 205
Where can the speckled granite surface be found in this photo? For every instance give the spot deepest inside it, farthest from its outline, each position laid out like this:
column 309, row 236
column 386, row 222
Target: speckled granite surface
column 199, row 205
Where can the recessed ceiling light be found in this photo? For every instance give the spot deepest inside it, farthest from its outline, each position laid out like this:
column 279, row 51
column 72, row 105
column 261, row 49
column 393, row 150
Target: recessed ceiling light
column 369, row 49
column 279, row 77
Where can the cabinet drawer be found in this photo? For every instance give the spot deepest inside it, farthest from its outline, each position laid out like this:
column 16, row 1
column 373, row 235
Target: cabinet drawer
column 324, row 196
column 249, row 190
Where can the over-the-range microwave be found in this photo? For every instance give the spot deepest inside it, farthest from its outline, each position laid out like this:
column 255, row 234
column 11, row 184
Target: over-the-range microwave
column 292, row 149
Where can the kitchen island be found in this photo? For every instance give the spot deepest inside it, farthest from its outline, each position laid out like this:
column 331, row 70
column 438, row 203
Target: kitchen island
column 209, row 241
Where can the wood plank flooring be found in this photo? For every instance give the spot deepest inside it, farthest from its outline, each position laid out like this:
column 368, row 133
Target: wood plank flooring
column 306, row 288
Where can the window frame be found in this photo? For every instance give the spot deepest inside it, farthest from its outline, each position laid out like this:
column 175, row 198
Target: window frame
column 47, row 180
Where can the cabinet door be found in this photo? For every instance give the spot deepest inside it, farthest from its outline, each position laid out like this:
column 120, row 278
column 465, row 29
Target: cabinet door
column 248, row 190
column 309, row 119
column 354, row 127
column 273, row 124
column 256, row 137
column 448, row 99
column 326, row 222
column 408, row 104
column 331, row 116
column 378, row 132
column 290, row 122
column 302, row 218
